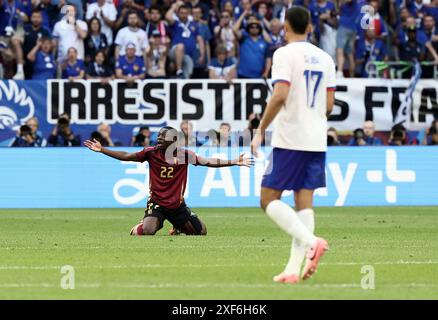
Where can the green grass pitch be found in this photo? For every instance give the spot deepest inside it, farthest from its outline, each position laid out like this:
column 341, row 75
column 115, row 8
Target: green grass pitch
column 237, row 259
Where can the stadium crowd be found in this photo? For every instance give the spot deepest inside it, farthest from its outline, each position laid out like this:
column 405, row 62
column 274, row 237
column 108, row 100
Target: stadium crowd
column 62, row 135
column 218, row 39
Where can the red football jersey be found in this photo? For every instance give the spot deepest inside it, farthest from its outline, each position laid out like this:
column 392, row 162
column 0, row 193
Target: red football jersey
column 167, row 179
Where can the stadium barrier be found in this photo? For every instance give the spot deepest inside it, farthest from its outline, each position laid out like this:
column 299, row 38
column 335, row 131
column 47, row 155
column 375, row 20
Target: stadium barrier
column 396, row 69
column 206, row 102
column 79, row 178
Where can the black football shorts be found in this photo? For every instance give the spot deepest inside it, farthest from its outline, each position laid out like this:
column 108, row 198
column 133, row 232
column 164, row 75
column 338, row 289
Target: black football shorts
column 177, row 217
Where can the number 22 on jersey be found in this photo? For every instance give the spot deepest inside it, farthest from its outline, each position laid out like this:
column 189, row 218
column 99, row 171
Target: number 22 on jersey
column 313, row 79
column 166, row 172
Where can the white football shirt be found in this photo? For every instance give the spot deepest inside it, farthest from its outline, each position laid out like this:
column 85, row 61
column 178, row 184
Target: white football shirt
column 138, row 37
column 301, row 123
column 68, row 37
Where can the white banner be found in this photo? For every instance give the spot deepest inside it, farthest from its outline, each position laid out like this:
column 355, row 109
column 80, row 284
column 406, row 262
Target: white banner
column 378, row 100
column 209, row 102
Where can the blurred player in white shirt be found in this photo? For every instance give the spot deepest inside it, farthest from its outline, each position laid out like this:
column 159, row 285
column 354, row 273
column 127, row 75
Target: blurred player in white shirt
column 304, row 82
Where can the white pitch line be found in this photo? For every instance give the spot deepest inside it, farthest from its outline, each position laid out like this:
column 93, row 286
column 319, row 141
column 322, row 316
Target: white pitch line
column 213, row 285
column 162, row 266
column 203, row 246
column 176, row 247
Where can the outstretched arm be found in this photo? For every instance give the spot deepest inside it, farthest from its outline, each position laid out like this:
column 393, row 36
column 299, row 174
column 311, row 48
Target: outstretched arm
column 218, row 163
column 119, row 155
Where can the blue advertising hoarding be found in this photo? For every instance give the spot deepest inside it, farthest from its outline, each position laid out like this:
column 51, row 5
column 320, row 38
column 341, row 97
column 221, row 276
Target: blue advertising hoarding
column 207, row 103
column 79, row 178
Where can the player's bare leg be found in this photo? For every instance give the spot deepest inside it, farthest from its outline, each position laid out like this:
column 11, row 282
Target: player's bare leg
column 148, row 227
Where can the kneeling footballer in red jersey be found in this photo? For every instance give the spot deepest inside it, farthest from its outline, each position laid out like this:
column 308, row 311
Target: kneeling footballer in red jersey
column 167, row 179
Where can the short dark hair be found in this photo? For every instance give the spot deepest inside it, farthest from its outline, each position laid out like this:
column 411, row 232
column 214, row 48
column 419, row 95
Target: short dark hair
column 184, row 6
column 96, row 135
column 197, row 7
column 173, row 130
column 398, row 126
column 132, row 12
column 25, row 130
column 298, row 18
column 155, row 8
column 63, row 121
column 143, row 128
column 102, row 52
column 45, row 38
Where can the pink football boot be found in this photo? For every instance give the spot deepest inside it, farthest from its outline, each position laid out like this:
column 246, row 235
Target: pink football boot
column 313, row 256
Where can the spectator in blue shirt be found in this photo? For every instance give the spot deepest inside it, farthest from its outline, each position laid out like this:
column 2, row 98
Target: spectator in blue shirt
column 431, row 134
column 365, row 136
column 276, row 35
column 200, row 70
column 32, row 32
column 185, row 37
column 349, row 13
column 25, row 138
column 321, row 12
column 42, row 60
column 410, row 34
column 201, row 5
column 255, row 60
column 431, row 10
column 244, row 9
column 98, row 69
column 63, row 136
column 222, row 67
column 49, row 13
column 416, row 8
column 431, row 31
column 13, row 13
column 369, row 49
column 73, row 68
column 130, row 67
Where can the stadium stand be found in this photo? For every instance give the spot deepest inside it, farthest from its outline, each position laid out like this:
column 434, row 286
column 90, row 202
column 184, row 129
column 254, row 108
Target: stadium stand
column 158, row 39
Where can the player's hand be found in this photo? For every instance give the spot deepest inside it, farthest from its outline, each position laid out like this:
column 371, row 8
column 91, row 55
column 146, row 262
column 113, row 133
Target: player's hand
column 93, row 145
column 245, row 161
column 256, row 142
